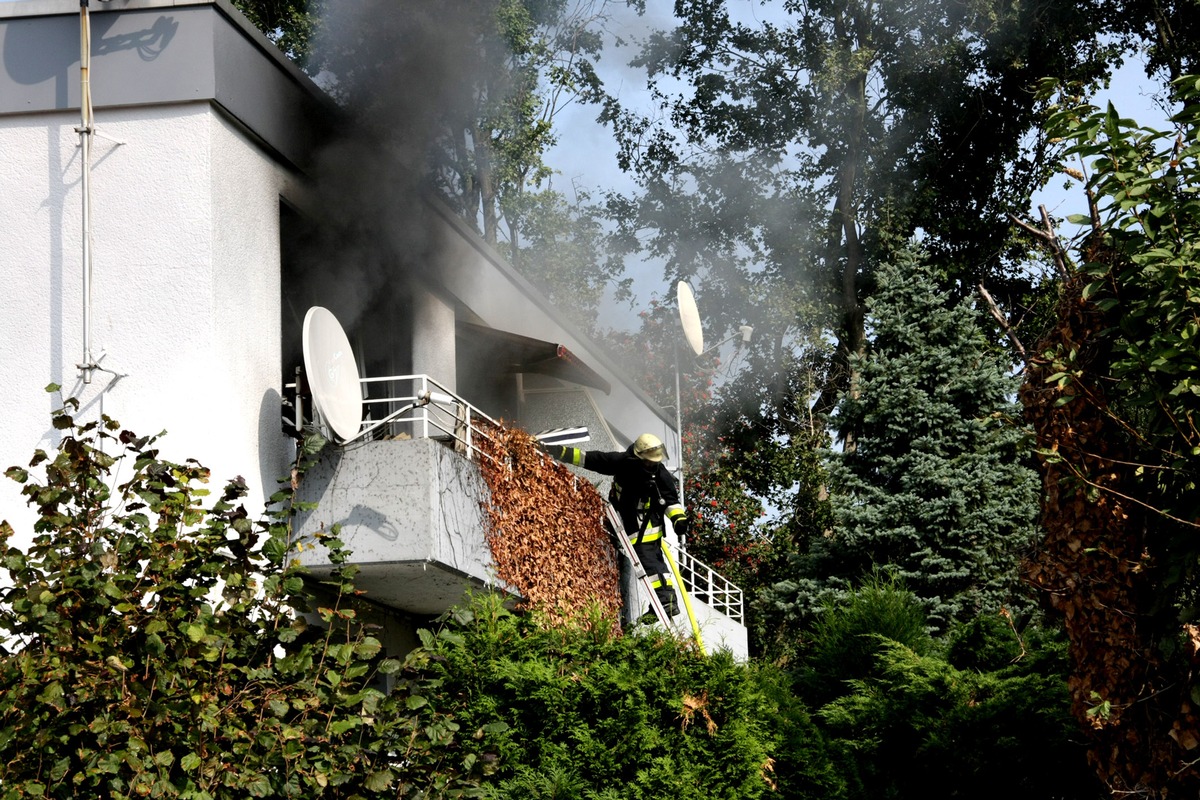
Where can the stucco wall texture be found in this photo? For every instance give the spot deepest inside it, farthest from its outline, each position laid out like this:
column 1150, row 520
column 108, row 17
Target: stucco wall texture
column 184, row 309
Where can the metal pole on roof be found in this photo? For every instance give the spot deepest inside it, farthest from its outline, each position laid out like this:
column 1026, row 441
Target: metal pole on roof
column 85, row 131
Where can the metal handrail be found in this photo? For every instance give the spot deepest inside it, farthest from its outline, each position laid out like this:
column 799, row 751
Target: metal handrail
column 705, row 584
column 431, row 411
column 415, row 406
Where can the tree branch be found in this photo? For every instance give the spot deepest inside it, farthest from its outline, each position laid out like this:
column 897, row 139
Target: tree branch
column 1000, row 318
column 1049, row 238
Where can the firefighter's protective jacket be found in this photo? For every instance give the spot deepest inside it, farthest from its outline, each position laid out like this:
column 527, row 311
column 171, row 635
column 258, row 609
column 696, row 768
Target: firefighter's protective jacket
column 643, row 492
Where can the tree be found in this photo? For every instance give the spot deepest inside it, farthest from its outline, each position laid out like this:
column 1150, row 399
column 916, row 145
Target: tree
column 464, row 94
column 1166, row 31
column 292, row 25
column 564, row 252
column 156, row 646
column 936, row 491
column 796, row 151
column 1113, row 393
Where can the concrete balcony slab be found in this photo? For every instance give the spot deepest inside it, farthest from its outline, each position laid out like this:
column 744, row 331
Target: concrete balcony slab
column 411, row 513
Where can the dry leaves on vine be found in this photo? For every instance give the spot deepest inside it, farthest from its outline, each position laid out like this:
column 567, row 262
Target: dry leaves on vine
column 547, row 534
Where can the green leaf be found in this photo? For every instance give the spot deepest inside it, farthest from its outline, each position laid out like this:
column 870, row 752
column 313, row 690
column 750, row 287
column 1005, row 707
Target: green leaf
column 52, row 695
column 258, row 786
column 379, row 781
column 368, row 648
column 59, row 770
column 342, row 725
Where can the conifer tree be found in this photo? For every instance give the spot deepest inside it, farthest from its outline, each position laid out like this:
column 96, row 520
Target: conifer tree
column 936, row 491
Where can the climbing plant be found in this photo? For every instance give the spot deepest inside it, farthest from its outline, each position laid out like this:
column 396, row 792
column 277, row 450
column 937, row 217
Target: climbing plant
column 546, row 531
column 1114, row 395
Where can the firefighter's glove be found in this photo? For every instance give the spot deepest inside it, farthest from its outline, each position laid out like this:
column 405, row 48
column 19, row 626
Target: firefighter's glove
column 556, row 451
column 682, row 525
column 567, row 455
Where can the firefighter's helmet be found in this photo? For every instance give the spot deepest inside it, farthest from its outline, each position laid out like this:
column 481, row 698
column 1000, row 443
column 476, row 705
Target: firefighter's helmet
column 649, row 447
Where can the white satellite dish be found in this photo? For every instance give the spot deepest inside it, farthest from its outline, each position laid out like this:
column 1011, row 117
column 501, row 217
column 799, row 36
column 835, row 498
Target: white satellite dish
column 689, row 316
column 332, row 373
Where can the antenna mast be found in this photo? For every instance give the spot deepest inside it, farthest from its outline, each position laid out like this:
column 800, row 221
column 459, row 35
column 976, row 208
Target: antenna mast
column 85, row 131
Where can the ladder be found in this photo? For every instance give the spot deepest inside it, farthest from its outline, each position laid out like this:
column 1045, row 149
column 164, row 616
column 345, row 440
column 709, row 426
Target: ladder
column 614, row 522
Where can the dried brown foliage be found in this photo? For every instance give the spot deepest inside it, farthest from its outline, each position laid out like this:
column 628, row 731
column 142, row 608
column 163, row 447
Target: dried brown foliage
column 547, row 533
column 1098, row 568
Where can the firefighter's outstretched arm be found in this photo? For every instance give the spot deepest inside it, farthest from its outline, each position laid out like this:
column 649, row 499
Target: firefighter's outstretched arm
column 568, row 455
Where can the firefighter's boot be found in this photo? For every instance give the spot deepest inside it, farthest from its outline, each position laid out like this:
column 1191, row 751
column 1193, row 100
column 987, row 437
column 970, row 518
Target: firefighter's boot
column 666, row 596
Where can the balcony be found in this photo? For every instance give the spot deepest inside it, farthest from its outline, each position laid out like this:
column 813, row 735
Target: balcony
column 410, row 503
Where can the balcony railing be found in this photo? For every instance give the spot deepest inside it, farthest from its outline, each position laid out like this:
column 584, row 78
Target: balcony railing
column 705, row 584
column 413, row 407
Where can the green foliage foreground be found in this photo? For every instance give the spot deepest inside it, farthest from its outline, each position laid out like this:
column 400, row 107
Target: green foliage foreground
column 983, row 713
column 155, row 646
column 585, row 712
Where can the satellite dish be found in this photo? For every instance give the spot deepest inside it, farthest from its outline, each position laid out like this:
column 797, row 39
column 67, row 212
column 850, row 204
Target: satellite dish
column 332, row 373
column 689, row 316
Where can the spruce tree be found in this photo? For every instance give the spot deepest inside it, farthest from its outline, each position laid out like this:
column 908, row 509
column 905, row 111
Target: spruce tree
column 936, row 490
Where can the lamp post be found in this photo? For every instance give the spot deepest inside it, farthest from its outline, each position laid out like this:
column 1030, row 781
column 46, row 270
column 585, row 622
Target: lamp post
column 678, row 425
column 689, row 318
column 744, row 334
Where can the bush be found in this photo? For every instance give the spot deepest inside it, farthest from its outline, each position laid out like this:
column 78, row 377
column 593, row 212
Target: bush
column 156, row 646
column 918, row 726
column 844, row 644
column 581, row 711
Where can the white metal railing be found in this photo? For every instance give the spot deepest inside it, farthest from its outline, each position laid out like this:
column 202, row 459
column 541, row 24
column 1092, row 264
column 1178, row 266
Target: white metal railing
column 705, row 584
column 412, row 406
column 428, row 410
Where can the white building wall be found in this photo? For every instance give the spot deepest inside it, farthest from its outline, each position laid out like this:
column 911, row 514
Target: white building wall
column 246, row 191
column 185, row 310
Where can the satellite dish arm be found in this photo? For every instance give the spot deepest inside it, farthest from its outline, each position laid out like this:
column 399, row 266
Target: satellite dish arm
column 423, row 399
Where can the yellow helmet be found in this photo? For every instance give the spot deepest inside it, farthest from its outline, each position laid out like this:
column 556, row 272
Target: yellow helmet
column 649, row 447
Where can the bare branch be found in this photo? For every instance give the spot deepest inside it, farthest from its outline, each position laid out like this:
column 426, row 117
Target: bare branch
column 1000, row 318
column 1049, row 238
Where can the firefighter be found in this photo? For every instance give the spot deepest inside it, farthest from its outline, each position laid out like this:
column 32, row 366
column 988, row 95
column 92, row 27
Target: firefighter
column 643, row 493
